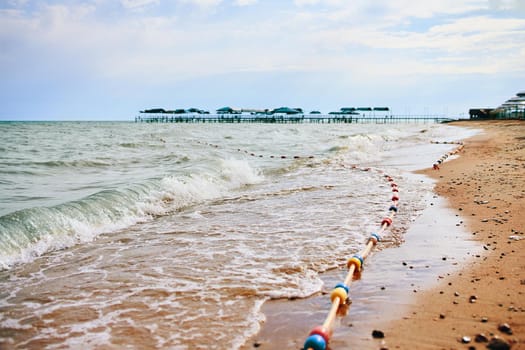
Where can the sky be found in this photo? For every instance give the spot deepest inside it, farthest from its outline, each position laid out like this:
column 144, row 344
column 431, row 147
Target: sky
column 109, row 59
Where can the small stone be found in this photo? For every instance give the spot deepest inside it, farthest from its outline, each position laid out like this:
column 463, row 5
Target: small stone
column 441, row 316
column 481, row 338
column 498, row 344
column 484, row 319
column 456, row 294
column 505, row 328
column 473, row 299
column 465, row 339
column 257, row 344
column 378, row 334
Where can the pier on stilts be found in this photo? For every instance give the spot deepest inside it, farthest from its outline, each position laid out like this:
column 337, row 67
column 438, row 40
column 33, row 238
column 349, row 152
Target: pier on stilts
column 289, row 119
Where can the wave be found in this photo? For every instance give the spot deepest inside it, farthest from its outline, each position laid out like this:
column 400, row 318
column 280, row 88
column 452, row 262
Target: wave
column 63, row 164
column 359, row 147
column 29, row 233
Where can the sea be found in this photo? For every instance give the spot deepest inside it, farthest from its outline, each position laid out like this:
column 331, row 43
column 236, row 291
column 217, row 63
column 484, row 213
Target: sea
column 172, row 236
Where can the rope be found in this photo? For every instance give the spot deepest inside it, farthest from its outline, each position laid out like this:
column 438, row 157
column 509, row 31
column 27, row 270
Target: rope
column 319, row 337
column 440, row 161
column 435, row 165
column 252, row 154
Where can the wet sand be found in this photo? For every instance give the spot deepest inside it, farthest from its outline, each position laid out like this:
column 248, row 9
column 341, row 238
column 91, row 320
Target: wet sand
column 460, row 273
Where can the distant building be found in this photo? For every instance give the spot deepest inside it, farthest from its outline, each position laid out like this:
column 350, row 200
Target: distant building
column 513, row 108
column 481, row 113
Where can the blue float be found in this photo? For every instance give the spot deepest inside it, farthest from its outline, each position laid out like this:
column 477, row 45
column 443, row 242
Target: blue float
column 360, row 258
column 344, row 286
column 315, row 342
column 376, row 236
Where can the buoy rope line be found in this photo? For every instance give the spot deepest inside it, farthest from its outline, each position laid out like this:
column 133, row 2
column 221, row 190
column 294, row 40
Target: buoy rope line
column 319, row 337
column 252, row 154
column 444, row 157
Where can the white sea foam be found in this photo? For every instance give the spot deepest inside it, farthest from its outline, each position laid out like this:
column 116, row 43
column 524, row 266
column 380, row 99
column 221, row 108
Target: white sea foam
column 112, row 211
column 239, row 173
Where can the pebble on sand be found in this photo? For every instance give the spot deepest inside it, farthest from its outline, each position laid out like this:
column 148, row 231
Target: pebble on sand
column 378, row 334
column 498, row 344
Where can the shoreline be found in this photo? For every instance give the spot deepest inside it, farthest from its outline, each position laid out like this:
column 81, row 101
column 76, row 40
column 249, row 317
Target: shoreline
column 426, row 274
column 485, row 186
column 386, row 289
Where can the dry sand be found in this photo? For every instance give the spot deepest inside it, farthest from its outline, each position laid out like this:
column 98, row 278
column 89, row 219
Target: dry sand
column 486, row 186
column 485, row 189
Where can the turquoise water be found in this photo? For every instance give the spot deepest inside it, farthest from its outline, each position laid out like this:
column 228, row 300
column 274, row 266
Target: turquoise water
column 172, row 235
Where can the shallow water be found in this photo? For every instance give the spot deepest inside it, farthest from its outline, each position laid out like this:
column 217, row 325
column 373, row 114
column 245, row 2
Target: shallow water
column 435, row 245
column 172, row 236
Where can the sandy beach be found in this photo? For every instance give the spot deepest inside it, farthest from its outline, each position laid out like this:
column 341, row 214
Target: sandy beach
column 475, row 267
column 486, row 298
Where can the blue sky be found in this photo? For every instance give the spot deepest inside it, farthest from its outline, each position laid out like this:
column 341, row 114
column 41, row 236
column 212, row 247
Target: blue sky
column 108, row 59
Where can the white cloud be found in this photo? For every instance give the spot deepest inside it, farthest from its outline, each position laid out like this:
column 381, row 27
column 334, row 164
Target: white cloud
column 391, row 11
column 138, row 4
column 306, row 2
column 17, row 3
column 161, row 49
column 515, row 5
column 388, row 12
column 205, row 4
column 428, row 9
column 245, row 2
column 480, row 45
